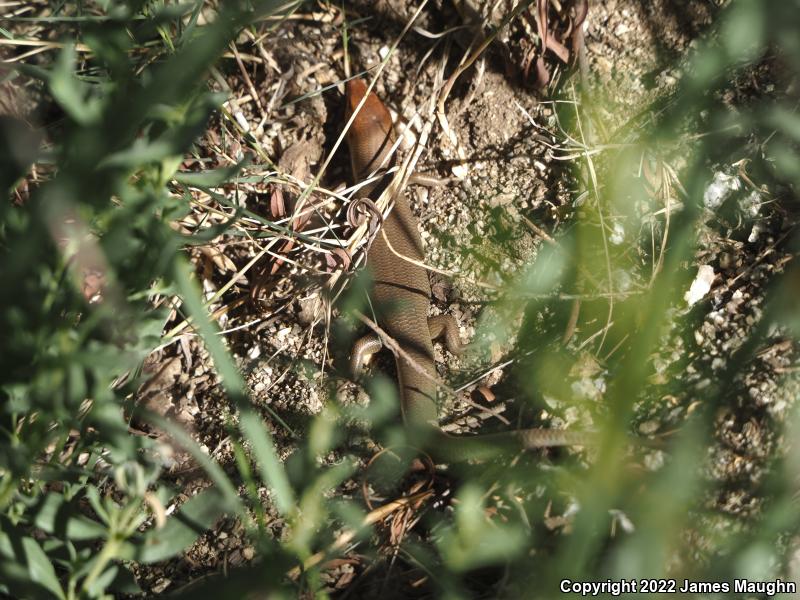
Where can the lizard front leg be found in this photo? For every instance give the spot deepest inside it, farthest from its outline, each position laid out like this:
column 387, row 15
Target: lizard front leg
column 362, row 350
column 442, row 327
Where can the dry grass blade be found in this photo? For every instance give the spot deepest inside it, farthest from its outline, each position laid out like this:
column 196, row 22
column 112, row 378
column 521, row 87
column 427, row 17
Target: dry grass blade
column 586, row 131
column 345, row 538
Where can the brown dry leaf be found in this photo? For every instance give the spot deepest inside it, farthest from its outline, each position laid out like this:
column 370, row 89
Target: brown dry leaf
column 337, row 258
column 223, row 263
column 485, row 393
column 153, row 392
column 298, row 158
column 277, row 205
column 576, row 36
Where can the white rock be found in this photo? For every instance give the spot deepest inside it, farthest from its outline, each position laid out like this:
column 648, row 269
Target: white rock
column 751, row 204
column 701, row 284
column 618, row 234
column 719, row 189
column 460, row 171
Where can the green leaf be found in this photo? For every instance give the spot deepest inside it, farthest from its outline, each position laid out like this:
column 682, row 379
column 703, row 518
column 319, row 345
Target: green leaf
column 207, row 234
column 24, row 567
column 55, row 515
column 139, row 153
column 383, row 401
column 100, row 584
column 214, row 471
column 71, row 93
column 40, row 568
column 272, row 471
column 93, row 495
column 191, row 25
column 222, row 360
column 124, row 582
column 19, row 146
column 212, row 177
column 475, row 541
column 195, row 517
column 743, row 30
column 785, row 121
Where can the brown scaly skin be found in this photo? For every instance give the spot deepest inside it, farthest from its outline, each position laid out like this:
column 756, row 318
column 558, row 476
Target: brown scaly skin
column 402, row 288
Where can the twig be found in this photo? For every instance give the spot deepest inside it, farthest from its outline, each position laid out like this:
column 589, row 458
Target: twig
column 392, row 344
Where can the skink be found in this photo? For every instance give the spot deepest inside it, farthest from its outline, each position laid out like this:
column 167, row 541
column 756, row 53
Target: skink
column 403, row 288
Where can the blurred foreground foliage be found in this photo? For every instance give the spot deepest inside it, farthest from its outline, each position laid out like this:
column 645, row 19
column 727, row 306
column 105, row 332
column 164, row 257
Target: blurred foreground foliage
column 73, row 525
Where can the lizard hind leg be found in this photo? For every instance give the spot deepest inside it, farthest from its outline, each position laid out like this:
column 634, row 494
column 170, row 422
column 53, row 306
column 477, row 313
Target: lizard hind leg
column 446, row 327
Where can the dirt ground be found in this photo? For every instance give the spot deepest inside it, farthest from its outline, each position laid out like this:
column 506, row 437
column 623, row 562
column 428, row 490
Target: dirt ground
column 507, row 128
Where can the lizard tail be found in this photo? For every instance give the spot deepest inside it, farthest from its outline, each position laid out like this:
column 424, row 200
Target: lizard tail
column 447, row 448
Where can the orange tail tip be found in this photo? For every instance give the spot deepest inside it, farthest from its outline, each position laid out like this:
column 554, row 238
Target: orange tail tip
column 374, row 112
column 370, row 136
column 354, row 90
